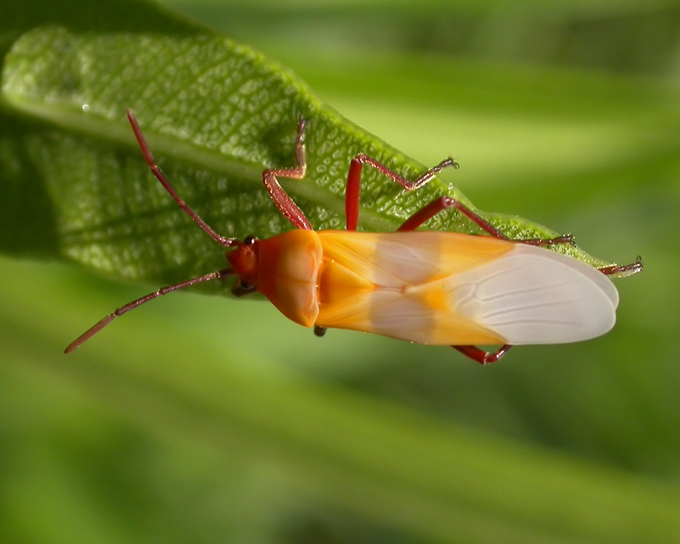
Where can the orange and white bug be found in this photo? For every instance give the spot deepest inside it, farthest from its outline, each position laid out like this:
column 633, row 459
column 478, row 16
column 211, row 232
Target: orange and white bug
column 428, row 287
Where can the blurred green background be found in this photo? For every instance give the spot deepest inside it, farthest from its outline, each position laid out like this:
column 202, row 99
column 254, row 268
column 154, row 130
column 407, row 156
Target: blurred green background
column 179, row 424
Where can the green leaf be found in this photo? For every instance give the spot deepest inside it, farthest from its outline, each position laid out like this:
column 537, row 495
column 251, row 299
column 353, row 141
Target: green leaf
column 216, row 114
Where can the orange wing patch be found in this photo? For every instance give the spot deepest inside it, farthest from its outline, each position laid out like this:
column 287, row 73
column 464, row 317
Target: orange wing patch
column 400, row 284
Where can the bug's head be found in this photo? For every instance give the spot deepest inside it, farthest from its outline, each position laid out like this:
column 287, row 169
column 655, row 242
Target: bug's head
column 244, row 260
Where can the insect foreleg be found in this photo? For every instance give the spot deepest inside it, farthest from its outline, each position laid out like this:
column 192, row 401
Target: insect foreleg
column 283, row 202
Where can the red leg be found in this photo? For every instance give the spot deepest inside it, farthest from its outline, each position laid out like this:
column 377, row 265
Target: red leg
column 283, row 202
column 426, row 213
column 444, row 203
column 226, row 242
column 623, row 270
column 543, row 242
column 354, row 180
column 430, row 210
column 132, row 305
column 480, row 356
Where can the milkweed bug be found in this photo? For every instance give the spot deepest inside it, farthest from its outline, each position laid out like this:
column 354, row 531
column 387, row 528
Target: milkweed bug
column 429, row 287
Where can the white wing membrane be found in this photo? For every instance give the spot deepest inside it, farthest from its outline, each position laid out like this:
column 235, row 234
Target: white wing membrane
column 536, row 296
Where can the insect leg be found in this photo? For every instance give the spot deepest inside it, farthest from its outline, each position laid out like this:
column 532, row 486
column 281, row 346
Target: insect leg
column 283, row 202
column 430, row 210
column 623, row 270
column 483, row 357
column 426, row 213
column 354, row 180
column 442, row 203
column 223, row 240
column 135, row 303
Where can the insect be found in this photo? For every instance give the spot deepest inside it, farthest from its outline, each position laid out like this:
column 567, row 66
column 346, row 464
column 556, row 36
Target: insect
column 429, row 287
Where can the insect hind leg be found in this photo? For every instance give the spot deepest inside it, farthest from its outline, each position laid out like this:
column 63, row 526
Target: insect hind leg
column 623, row 270
column 442, row 203
column 483, row 357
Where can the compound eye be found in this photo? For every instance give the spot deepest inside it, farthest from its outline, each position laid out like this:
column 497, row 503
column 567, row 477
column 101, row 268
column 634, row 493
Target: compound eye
column 250, row 240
